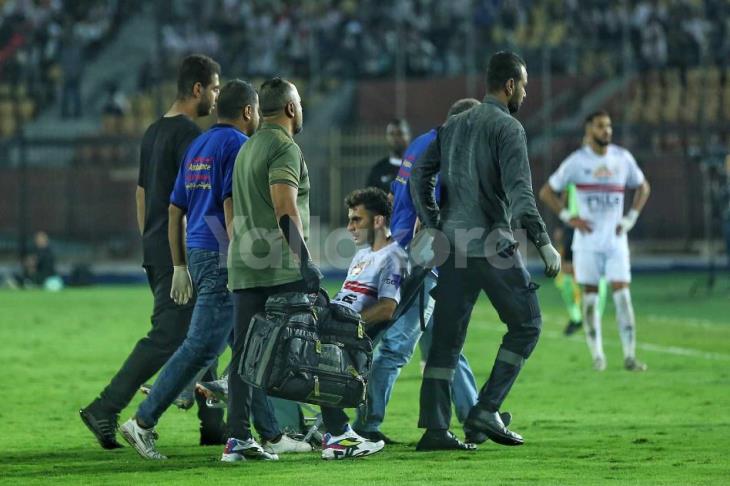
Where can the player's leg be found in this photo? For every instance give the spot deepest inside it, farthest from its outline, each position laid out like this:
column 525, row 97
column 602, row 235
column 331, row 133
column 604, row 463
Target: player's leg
column 566, row 284
column 589, row 267
column 394, row 351
column 618, row 273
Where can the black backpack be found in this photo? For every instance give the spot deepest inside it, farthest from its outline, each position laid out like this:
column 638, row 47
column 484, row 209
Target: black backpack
column 308, row 350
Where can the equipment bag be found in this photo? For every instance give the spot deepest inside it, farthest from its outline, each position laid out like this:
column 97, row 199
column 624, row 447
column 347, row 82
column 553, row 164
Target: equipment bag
column 316, row 354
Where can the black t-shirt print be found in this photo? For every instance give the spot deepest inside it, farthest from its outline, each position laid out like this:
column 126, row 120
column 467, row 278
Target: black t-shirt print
column 382, row 174
column 163, row 147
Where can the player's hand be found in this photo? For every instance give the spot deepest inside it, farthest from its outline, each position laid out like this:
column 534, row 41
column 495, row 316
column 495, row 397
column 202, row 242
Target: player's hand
column 551, row 258
column 312, row 276
column 182, row 285
column 582, row 225
column 627, row 222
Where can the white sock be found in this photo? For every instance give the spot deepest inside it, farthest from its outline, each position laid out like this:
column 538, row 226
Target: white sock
column 592, row 325
column 625, row 321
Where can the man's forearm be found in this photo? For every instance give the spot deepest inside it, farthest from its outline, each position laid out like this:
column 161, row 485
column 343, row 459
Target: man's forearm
column 381, row 311
column 139, row 198
column 228, row 216
column 641, row 196
column 175, row 235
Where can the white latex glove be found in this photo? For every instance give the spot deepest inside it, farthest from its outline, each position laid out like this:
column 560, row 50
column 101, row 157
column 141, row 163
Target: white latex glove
column 551, row 258
column 182, row 285
column 627, row 222
column 565, row 216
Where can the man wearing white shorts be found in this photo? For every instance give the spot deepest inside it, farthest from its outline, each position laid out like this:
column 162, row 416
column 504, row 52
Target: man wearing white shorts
column 601, row 173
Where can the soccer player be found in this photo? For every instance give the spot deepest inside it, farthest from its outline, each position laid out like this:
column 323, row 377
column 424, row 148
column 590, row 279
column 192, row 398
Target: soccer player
column 163, row 146
column 398, row 342
column 601, row 172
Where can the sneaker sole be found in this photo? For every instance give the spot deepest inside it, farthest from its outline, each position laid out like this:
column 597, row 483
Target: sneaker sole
column 130, row 440
column 232, row 458
column 335, row 458
column 86, row 419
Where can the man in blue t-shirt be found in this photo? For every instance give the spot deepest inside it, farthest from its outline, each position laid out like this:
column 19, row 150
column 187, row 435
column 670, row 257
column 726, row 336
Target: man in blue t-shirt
column 202, row 192
column 397, row 344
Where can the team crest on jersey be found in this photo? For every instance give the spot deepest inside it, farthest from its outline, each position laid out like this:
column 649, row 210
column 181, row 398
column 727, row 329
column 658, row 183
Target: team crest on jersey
column 357, row 269
column 602, row 172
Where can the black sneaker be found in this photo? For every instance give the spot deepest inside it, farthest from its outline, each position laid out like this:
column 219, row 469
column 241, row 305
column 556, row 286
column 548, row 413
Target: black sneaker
column 573, row 327
column 103, row 426
column 376, row 436
column 442, row 440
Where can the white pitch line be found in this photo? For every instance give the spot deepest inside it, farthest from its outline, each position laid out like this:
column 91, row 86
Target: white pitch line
column 656, row 348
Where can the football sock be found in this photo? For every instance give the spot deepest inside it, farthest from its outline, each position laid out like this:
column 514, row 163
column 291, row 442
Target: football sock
column 592, row 325
column 625, row 321
column 602, row 295
column 570, row 292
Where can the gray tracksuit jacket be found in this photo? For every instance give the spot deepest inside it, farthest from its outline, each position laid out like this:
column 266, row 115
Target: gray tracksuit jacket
column 481, row 156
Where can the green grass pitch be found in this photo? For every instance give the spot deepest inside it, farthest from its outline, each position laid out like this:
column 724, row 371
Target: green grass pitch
column 670, row 425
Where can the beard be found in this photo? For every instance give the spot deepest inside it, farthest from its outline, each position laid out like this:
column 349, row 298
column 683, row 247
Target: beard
column 298, row 126
column 513, row 105
column 204, row 108
column 601, row 142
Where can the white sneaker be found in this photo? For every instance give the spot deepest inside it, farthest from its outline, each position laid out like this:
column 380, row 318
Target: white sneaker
column 286, row 444
column 143, row 440
column 599, row 364
column 347, row 445
column 242, row 450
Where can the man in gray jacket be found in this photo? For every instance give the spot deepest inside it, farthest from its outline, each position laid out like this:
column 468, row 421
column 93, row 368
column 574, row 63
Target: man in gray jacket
column 486, row 188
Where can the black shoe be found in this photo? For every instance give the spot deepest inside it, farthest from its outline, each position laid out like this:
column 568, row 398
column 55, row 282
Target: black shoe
column 573, row 327
column 477, row 437
column 217, row 435
column 376, row 436
column 103, row 426
column 490, row 423
column 442, row 440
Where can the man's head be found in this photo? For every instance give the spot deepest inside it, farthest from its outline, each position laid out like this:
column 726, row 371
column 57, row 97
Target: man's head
column 279, row 99
column 398, row 136
column 368, row 213
column 238, row 103
column 507, row 79
column 41, row 239
column 199, row 80
column 462, row 105
column 598, row 128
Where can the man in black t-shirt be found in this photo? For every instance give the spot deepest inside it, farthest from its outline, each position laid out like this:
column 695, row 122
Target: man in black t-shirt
column 385, row 170
column 163, row 148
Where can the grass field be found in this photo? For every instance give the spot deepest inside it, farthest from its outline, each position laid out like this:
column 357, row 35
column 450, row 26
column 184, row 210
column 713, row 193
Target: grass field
column 669, row 425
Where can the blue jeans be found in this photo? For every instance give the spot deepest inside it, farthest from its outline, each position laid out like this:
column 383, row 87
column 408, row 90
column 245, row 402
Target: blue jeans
column 394, row 350
column 210, row 327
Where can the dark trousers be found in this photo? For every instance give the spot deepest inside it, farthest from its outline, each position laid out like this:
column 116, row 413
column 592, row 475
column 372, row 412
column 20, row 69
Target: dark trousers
column 170, row 323
column 246, row 303
column 513, row 296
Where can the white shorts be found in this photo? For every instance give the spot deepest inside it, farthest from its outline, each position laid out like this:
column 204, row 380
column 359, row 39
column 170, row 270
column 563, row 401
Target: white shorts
column 590, row 266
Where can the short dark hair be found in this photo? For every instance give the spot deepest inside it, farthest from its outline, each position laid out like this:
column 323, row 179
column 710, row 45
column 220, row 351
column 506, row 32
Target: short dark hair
column 373, row 199
column 195, row 68
column 235, row 95
column 464, row 104
column 595, row 114
column 503, row 66
column 274, row 94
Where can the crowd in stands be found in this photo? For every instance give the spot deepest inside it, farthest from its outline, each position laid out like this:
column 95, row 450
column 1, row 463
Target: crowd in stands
column 366, row 38
column 43, row 47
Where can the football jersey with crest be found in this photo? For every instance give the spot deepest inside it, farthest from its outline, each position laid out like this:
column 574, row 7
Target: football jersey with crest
column 600, row 182
column 373, row 275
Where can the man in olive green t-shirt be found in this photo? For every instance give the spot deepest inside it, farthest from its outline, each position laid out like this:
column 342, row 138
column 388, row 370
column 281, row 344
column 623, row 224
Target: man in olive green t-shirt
column 268, row 255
